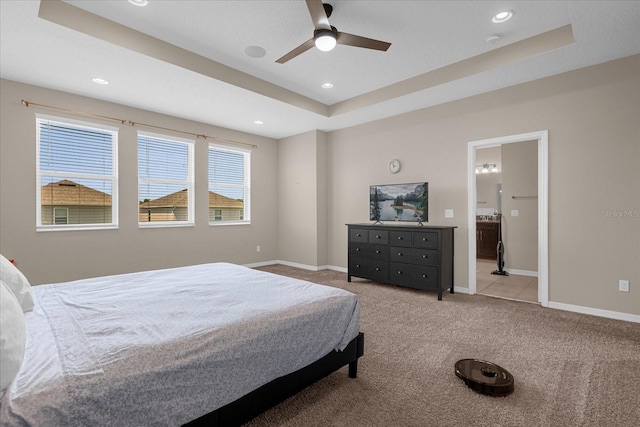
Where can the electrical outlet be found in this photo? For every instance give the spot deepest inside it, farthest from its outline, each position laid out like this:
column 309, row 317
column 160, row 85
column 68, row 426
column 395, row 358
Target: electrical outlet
column 448, row 213
column 258, row 248
column 623, row 286
column 515, row 212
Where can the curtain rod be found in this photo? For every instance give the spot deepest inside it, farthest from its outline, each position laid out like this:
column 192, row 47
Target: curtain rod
column 132, row 123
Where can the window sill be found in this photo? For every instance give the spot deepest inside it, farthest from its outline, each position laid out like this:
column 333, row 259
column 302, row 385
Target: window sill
column 221, row 223
column 46, row 228
column 159, row 224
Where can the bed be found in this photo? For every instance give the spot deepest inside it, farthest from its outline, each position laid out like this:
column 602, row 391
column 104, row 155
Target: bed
column 211, row 344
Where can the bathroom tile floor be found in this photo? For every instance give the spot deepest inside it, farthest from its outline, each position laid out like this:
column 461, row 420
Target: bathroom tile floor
column 521, row 288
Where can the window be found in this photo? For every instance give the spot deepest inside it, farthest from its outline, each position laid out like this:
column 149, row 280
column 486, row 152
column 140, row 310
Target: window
column 165, row 181
column 76, row 175
column 229, row 194
column 60, row 216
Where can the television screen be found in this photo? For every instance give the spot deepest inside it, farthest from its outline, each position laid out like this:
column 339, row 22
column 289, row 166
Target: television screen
column 399, row 202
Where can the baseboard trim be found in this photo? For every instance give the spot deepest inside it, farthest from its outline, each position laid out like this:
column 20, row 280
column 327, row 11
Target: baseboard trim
column 260, row 264
column 596, row 312
column 463, row 290
column 303, row 266
column 522, row 272
column 336, row 268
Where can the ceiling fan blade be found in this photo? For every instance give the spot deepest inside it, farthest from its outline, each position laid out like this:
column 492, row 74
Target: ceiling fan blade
column 359, row 41
column 318, row 15
column 297, row 51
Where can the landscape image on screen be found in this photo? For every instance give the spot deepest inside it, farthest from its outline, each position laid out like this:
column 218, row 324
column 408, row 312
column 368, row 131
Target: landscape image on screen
column 399, row 202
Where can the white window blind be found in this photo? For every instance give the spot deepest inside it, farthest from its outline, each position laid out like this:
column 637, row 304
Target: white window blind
column 76, row 175
column 229, row 185
column 165, row 181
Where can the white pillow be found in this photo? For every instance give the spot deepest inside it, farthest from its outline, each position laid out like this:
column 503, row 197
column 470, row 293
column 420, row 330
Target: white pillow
column 18, row 284
column 13, row 335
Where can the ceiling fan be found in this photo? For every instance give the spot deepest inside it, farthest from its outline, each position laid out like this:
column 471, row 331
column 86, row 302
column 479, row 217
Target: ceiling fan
column 325, row 37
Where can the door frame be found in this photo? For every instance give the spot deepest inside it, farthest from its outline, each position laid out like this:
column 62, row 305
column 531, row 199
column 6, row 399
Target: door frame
column 542, row 137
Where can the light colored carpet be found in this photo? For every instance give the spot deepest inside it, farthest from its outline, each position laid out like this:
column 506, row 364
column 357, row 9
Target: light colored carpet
column 570, row 369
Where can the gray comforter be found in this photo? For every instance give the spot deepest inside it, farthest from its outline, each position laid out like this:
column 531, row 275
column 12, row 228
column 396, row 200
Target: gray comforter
column 164, row 347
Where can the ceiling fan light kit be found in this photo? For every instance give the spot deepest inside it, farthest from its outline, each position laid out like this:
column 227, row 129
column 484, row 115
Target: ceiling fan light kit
column 325, row 40
column 325, row 36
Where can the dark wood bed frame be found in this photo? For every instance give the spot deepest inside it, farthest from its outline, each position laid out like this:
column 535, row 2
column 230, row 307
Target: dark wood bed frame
column 253, row 404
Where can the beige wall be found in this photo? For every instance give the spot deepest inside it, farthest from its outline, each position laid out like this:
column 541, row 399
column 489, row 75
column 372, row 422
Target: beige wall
column 322, row 162
column 594, row 179
column 60, row 256
column 302, row 208
column 594, row 185
column 520, row 180
column 487, row 183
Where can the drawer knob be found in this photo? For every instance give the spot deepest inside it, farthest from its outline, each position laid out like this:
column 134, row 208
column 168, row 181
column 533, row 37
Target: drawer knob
column 377, row 268
column 399, row 237
column 357, row 265
column 424, row 276
column 424, row 239
column 400, row 273
column 357, row 234
column 357, row 249
column 424, row 256
column 377, row 252
column 399, row 253
column 378, row 237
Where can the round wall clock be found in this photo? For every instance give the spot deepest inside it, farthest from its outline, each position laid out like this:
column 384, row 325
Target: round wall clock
column 394, row 166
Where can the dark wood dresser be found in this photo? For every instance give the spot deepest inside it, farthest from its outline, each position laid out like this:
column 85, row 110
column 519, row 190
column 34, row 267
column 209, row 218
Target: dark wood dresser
column 411, row 255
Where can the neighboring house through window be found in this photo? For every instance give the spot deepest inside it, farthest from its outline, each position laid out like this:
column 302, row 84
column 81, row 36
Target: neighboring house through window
column 165, row 181
column 229, row 185
column 76, row 175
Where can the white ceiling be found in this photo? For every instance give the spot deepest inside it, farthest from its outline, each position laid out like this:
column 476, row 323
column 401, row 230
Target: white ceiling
column 425, row 36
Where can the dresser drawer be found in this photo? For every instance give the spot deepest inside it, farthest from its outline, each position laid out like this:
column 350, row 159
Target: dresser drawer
column 414, row 276
column 369, row 269
column 400, row 238
column 359, row 235
column 379, row 236
column 414, row 255
column 368, row 250
column 425, row 239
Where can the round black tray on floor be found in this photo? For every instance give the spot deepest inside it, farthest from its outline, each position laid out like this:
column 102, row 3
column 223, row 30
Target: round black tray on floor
column 485, row 377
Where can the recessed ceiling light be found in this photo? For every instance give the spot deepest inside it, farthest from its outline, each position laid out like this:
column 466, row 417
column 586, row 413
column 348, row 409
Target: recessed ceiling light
column 258, row 122
column 502, row 16
column 493, row 39
column 255, row 51
column 140, row 3
column 100, row 81
column 327, row 85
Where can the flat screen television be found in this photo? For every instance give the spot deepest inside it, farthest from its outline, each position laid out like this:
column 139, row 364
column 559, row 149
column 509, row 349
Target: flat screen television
column 399, row 202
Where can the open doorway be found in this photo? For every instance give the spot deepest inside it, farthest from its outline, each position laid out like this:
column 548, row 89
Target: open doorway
column 511, row 208
column 506, row 230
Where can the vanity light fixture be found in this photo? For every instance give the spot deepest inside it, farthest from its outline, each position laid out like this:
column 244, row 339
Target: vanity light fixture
column 501, row 17
column 100, row 81
column 487, row 168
